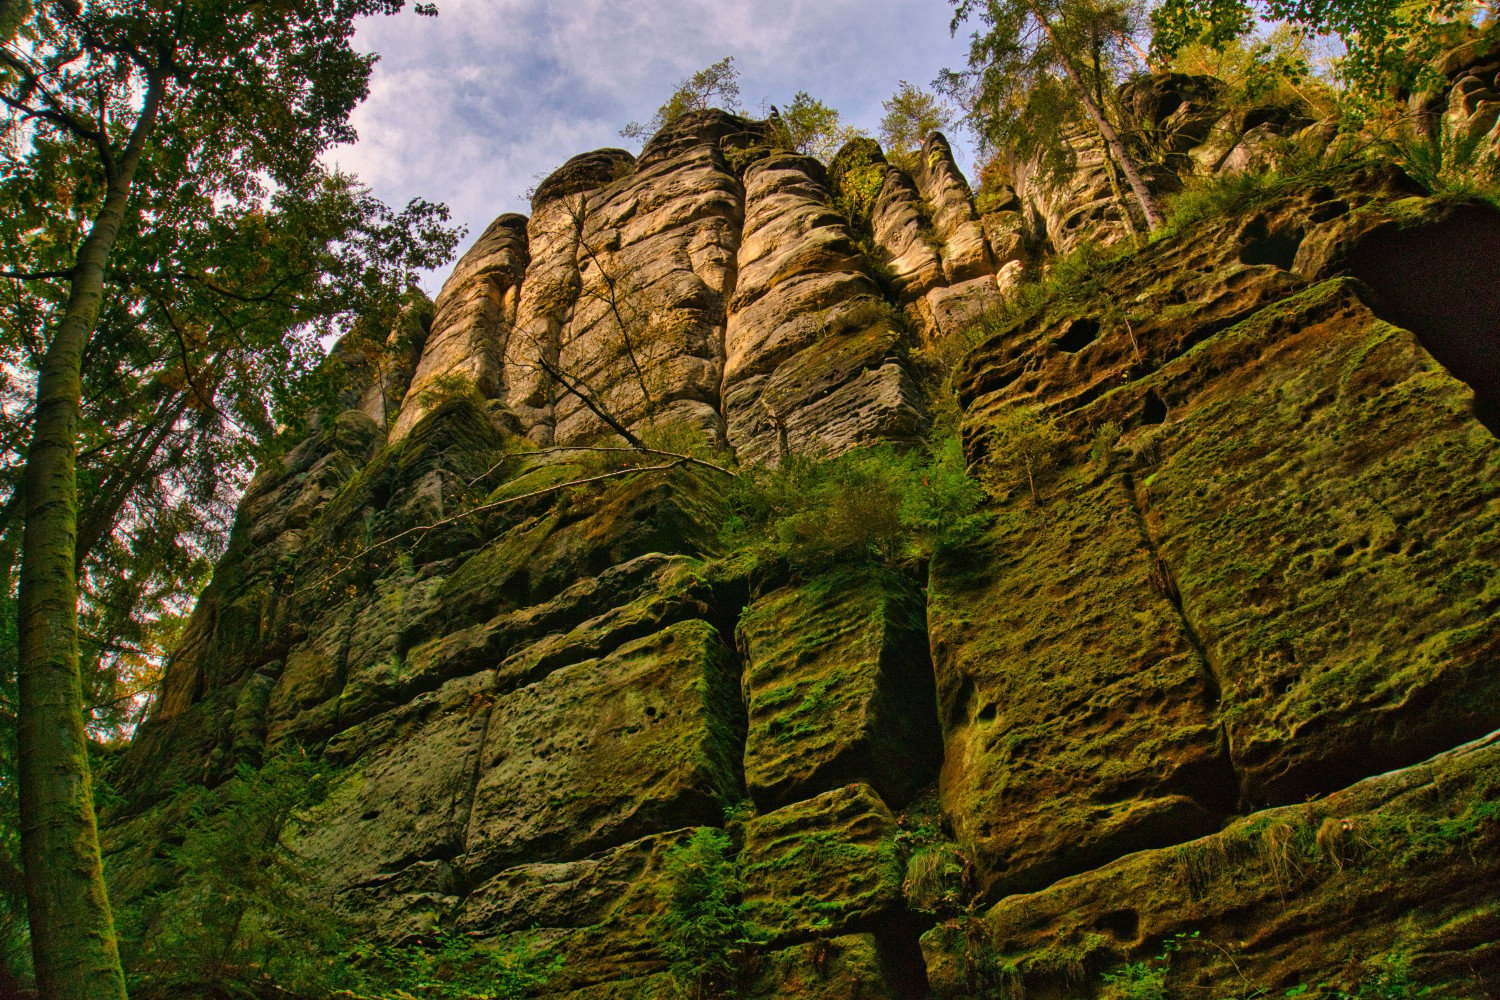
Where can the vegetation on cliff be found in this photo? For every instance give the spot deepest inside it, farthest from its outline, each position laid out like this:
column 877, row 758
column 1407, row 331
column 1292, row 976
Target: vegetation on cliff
column 755, row 576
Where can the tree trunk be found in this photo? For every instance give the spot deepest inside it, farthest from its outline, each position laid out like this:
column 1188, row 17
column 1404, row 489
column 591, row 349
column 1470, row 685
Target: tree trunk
column 72, row 930
column 1111, row 137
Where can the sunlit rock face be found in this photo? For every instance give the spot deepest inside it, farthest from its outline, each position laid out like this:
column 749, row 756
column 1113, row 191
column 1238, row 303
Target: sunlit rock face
column 712, row 284
column 1223, row 661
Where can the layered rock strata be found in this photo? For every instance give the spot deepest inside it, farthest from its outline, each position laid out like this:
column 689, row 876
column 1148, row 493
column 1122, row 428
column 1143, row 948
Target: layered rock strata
column 1250, row 568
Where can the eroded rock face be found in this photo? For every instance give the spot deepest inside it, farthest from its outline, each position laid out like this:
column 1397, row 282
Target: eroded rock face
column 1245, row 563
column 713, row 284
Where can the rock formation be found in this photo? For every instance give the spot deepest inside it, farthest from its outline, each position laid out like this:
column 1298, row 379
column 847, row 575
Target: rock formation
column 1232, row 671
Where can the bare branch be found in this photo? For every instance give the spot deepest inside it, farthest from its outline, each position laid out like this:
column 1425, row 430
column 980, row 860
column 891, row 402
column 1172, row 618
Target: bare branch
column 484, row 509
column 36, row 275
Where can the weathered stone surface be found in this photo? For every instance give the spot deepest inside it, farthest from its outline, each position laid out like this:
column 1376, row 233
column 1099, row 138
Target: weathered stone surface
column 1310, row 893
column 597, row 911
column 404, row 797
column 838, row 968
column 966, row 252
column 1329, row 439
column 957, row 307
column 802, row 292
column 898, row 226
column 1078, row 715
column 656, row 259
column 608, row 750
column 839, row 688
column 821, row 866
column 1257, row 567
column 471, row 321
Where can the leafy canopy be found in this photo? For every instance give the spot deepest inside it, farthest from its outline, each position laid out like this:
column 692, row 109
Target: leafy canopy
column 1015, row 92
column 716, row 85
column 241, row 254
column 813, row 128
column 911, row 115
column 1385, row 41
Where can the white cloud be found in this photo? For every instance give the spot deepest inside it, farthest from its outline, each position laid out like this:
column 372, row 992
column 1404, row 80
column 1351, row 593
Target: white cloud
column 471, row 107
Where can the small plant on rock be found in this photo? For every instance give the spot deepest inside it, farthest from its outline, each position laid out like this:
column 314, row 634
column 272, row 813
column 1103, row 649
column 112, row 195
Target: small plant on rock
column 702, row 926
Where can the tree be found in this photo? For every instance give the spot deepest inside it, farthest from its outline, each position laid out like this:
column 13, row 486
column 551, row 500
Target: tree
column 153, row 126
column 911, row 115
column 702, row 927
column 1386, row 41
column 813, row 128
column 716, row 85
column 1035, row 62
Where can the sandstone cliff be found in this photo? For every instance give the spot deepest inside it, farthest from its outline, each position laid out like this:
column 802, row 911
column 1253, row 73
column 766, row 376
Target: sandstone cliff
column 1158, row 698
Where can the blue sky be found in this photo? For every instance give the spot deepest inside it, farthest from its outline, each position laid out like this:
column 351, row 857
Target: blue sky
column 473, row 106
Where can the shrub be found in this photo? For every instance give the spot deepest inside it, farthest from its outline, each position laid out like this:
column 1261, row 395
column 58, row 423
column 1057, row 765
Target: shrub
column 875, row 504
column 238, row 914
column 450, row 967
column 702, row 925
column 1022, row 449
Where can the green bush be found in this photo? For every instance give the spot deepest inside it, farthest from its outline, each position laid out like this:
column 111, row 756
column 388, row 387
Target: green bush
column 1022, row 449
column 450, row 967
column 875, row 504
column 237, row 915
column 702, row 927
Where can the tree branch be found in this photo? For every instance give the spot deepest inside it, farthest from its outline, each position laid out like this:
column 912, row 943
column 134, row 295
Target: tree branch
column 484, row 509
column 36, row 275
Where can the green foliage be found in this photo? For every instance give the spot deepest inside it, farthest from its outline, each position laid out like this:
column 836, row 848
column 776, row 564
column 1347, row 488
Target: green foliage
column 451, row 967
column 716, row 85
column 1450, row 160
column 1104, row 443
column 448, row 387
column 856, row 176
column 1273, row 67
column 813, row 128
column 1217, row 196
column 1386, row 41
column 240, row 253
column 702, row 925
column 911, row 115
column 875, row 504
column 1016, row 92
column 237, row 913
column 1022, row 449
column 1147, row 979
column 939, row 879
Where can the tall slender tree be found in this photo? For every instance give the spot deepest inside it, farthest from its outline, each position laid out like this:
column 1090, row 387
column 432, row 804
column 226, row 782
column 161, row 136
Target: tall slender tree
column 133, row 106
column 1036, row 60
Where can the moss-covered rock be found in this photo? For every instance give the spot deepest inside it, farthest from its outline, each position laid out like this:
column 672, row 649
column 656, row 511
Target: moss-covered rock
column 604, row 751
column 822, row 866
column 835, row 968
column 1327, row 891
column 839, row 688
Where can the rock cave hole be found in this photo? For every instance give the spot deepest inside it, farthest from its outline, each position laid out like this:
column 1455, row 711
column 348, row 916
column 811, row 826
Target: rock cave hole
column 1259, row 245
column 1122, row 925
column 1080, row 334
column 1439, row 281
column 1154, row 410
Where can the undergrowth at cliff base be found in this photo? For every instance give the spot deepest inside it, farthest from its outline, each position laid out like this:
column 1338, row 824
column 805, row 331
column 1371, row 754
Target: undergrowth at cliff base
column 238, row 922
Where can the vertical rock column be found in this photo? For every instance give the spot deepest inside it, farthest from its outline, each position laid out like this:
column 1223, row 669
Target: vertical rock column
column 656, row 263
column 553, row 284
column 813, row 362
column 472, row 316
